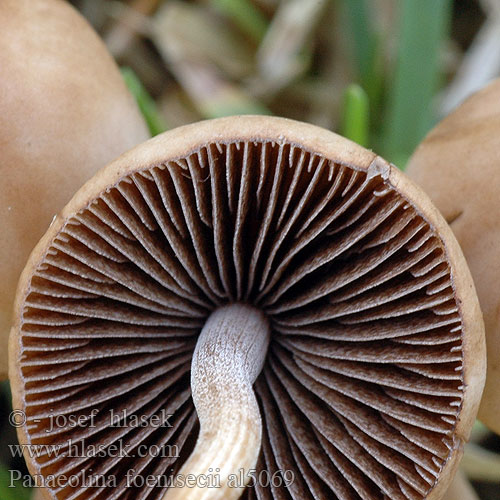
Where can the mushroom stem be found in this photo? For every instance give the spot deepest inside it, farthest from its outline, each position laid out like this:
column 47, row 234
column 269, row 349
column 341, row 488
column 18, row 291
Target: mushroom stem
column 228, row 357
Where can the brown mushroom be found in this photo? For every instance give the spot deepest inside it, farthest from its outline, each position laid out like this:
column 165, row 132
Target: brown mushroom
column 287, row 247
column 457, row 165
column 64, row 113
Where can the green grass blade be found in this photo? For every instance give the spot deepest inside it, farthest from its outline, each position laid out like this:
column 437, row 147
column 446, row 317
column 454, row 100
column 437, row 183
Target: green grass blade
column 359, row 14
column 356, row 115
column 147, row 105
column 366, row 44
column 12, row 490
column 423, row 26
column 245, row 15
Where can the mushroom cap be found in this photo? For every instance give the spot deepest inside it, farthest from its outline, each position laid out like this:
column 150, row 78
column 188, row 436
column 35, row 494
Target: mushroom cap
column 376, row 359
column 457, row 165
column 64, row 113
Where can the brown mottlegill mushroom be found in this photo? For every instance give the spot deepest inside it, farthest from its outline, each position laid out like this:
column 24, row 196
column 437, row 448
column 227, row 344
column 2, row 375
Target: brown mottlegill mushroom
column 240, row 252
column 457, row 165
column 64, row 113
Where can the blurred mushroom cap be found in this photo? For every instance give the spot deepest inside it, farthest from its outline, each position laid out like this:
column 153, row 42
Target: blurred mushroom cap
column 458, row 166
column 64, row 113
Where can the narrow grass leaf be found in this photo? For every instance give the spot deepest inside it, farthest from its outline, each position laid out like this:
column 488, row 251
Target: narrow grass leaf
column 423, row 26
column 147, row 105
column 356, row 115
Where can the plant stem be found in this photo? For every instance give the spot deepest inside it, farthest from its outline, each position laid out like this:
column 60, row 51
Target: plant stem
column 228, row 358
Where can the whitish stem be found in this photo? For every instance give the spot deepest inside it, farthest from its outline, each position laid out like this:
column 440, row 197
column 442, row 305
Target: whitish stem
column 228, row 357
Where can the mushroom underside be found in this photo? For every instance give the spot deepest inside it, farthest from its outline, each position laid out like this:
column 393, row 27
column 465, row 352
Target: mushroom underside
column 363, row 381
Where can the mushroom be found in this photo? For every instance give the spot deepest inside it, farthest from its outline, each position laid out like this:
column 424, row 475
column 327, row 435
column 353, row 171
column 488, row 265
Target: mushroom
column 64, row 113
column 457, row 166
column 238, row 252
